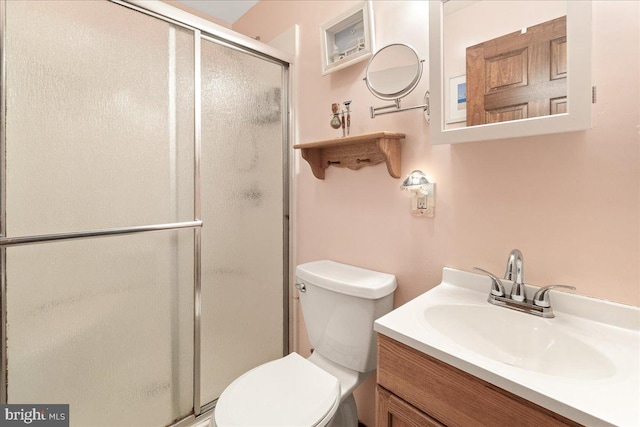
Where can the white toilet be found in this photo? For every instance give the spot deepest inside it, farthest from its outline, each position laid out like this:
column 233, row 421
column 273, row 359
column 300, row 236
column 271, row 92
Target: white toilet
column 340, row 303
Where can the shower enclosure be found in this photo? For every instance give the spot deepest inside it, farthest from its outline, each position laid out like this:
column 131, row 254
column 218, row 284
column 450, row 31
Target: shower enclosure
column 144, row 209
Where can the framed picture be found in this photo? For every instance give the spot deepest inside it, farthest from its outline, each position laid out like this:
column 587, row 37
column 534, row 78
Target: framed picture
column 348, row 38
column 457, row 100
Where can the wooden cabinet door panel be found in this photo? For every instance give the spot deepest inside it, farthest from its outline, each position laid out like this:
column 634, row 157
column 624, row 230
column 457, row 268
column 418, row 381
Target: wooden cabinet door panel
column 513, row 112
column 559, row 58
column 394, row 412
column 506, row 71
column 518, row 69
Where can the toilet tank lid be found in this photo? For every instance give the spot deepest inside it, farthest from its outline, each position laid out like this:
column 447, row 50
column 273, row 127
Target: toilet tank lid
column 347, row 279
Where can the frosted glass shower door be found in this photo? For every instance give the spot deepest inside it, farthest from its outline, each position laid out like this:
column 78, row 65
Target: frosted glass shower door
column 99, row 135
column 243, row 202
column 104, row 325
column 100, row 118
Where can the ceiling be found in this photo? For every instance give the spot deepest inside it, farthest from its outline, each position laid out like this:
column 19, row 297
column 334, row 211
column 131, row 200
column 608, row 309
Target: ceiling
column 228, row 11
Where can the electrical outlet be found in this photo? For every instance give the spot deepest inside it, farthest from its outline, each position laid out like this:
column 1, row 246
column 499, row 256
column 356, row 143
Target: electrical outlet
column 421, row 202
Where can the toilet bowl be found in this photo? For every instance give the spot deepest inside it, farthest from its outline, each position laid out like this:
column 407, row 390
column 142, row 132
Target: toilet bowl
column 286, row 392
column 340, row 303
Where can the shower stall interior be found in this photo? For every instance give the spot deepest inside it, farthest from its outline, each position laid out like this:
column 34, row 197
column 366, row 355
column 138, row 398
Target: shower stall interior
column 144, row 209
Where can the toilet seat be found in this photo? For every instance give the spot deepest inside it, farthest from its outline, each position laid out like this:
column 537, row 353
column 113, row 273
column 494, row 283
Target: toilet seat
column 290, row 391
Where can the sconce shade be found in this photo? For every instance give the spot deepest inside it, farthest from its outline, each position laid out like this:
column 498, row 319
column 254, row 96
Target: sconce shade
column 417, row 177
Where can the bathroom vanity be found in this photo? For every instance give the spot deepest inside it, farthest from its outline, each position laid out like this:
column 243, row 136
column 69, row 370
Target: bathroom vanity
column 448, row 357
column 415, row 389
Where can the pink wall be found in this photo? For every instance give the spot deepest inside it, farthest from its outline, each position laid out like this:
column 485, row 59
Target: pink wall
column 570, row 202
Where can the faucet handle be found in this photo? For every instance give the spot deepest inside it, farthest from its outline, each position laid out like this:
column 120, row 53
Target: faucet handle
column 497, row 288
column 541, row 297
column 518, row 292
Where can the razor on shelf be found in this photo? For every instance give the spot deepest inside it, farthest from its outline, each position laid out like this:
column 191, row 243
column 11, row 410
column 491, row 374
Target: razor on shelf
column 338, row 117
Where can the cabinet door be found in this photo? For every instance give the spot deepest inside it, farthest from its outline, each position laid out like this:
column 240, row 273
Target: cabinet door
column 436, row 388
column 394, row 412
column 519, row 75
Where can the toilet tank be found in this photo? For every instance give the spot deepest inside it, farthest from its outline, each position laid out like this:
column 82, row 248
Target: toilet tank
column 340, row 303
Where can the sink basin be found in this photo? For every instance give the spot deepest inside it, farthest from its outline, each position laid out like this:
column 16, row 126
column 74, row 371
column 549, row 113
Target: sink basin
column 518, row 339
column 583, row 364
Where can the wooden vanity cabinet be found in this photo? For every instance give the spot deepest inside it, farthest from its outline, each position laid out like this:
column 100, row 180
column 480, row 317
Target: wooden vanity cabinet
column 417, row 390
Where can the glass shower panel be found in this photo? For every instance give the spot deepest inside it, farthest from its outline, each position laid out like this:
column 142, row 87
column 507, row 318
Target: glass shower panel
column 242, row 209
column 100, row 118
column 104, row 325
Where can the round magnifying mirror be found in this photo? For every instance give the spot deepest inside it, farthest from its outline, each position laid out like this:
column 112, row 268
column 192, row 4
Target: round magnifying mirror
column 394, row 71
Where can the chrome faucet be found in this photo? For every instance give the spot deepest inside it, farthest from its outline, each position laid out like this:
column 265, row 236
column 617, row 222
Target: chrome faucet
column 517, row 299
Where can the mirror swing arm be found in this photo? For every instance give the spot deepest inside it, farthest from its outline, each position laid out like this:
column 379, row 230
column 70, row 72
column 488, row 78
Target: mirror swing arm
column 396, row 108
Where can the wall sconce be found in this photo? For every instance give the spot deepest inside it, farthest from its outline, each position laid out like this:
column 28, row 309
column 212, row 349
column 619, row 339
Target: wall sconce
column 422, row 193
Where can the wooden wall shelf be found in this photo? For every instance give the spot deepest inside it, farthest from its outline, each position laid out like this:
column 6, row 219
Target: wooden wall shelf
column 354, row 152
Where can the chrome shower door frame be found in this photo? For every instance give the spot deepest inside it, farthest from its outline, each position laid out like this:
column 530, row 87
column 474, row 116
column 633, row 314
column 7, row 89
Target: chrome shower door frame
column 201, row 28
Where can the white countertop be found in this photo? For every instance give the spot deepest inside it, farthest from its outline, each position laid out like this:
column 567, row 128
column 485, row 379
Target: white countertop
column 610, row 399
